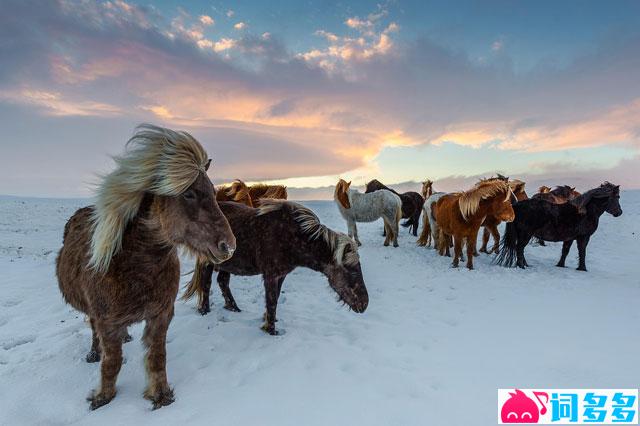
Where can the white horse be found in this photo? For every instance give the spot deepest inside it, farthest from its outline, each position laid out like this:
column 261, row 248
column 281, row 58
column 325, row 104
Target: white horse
column 429, row 225
column 355, row 207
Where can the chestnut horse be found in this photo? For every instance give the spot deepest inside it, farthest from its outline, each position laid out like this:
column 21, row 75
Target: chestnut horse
column 273, row 240
column 236, row 191
column 119, row 262
column 491, row 223
column 412, row 203
column 355, row 207
column 261, row 191
column 459, row 215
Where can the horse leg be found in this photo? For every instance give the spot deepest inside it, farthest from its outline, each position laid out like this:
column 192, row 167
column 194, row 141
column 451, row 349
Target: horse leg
column 207, row 272
column 566, row 246
column 582, row 252
column 155, row 339
column 446, row 240
column 496, row 239
column 94, row 353
column 223, row 282
column 416, row 222
column 111, row 347
column 353, row 231
column 395, row 228
column 523, row 240
column 457, row 250
column 485, row 239
column 471, row 248
column 387, row 232
column 271, row 294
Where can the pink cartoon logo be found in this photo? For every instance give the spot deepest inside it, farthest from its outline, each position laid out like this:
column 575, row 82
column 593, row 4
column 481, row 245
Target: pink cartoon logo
column 519, row 408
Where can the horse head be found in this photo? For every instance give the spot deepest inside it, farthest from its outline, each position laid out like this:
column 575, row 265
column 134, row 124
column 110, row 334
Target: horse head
column 341, row 193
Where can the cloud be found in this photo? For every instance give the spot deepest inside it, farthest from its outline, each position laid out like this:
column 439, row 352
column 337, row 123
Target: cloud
column 206, row 20
column 230, row 13
column 240, row 26
column 358, row 90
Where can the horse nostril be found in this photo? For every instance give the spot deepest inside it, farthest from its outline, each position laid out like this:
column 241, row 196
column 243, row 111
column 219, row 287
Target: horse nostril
column 223, row 247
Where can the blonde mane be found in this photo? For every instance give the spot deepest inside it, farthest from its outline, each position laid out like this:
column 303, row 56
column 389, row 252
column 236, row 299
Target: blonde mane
column 261, row 190
column 310, row 225
column 469, row 201
column 156, row 160
column 236, row 191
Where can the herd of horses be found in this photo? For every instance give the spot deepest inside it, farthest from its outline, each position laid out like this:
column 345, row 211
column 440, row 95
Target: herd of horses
column 119, row 261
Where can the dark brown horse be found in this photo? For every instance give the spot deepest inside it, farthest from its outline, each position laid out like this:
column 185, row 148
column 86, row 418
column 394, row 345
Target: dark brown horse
column 575, row 220
column 273, row 240
column 260, row 191
column 459, row 215
column 491, row 223
column 119, row 263
column 411, row 204
column 559, row 195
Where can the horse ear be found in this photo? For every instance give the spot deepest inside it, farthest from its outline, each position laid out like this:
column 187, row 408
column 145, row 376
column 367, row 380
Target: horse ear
column 206, row 166
column 573, row 188
column 348, row 184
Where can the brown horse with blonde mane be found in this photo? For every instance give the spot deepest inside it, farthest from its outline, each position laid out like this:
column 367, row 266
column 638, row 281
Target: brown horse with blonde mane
column 459, row 215
column 119, row 260
column 236, row 191
column 260, row 191
column 491, row 223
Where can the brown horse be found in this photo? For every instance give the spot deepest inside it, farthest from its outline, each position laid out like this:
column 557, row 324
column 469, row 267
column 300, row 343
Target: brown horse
column 119, row 263
column 236, row 191
column 261, row 191
column 544, row 189
column 459, row 215
column 491, row 223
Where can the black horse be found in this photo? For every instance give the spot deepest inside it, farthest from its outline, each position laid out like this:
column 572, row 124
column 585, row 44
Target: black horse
column 272, row 241
column 574, row 220
column 412, row 203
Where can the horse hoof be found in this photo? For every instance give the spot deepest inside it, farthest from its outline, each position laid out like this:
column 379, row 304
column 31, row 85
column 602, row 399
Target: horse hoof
column 386, row 244
column 232, row 307
column 92, row 357
column 583, row 269
column 482, row 250
column 97, row 400
column 560, row 265
column 160, row 398
column 269, row 329
column 204, row 310
column 395, row 244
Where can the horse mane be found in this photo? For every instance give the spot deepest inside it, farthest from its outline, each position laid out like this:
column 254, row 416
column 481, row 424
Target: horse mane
column 156, row 160
column 311, row 226
column 604, row 190
column 341, row 194
column 237, row 191
column 544, row 189
column 427, row 188
column 469, row 201
column 262, row 190
column 516, row 185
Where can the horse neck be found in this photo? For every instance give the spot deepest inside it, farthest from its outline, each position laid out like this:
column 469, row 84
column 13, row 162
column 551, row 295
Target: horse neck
column 145, row 232
column 314, row 254
column 597, row 206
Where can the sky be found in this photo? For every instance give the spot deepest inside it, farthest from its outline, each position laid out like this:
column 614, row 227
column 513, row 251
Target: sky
column 305, row 92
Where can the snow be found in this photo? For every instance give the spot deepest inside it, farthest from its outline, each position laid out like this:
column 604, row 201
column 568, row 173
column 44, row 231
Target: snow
column 432, row 348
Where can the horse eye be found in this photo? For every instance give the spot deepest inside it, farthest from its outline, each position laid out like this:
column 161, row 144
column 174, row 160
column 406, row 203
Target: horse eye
column 189, row 195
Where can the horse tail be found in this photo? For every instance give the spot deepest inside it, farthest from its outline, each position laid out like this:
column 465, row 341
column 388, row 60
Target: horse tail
column 195, row 287
column 507, row 255
column 426, row 230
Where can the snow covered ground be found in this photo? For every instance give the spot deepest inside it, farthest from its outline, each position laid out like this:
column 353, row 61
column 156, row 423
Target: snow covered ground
column 432, row 348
